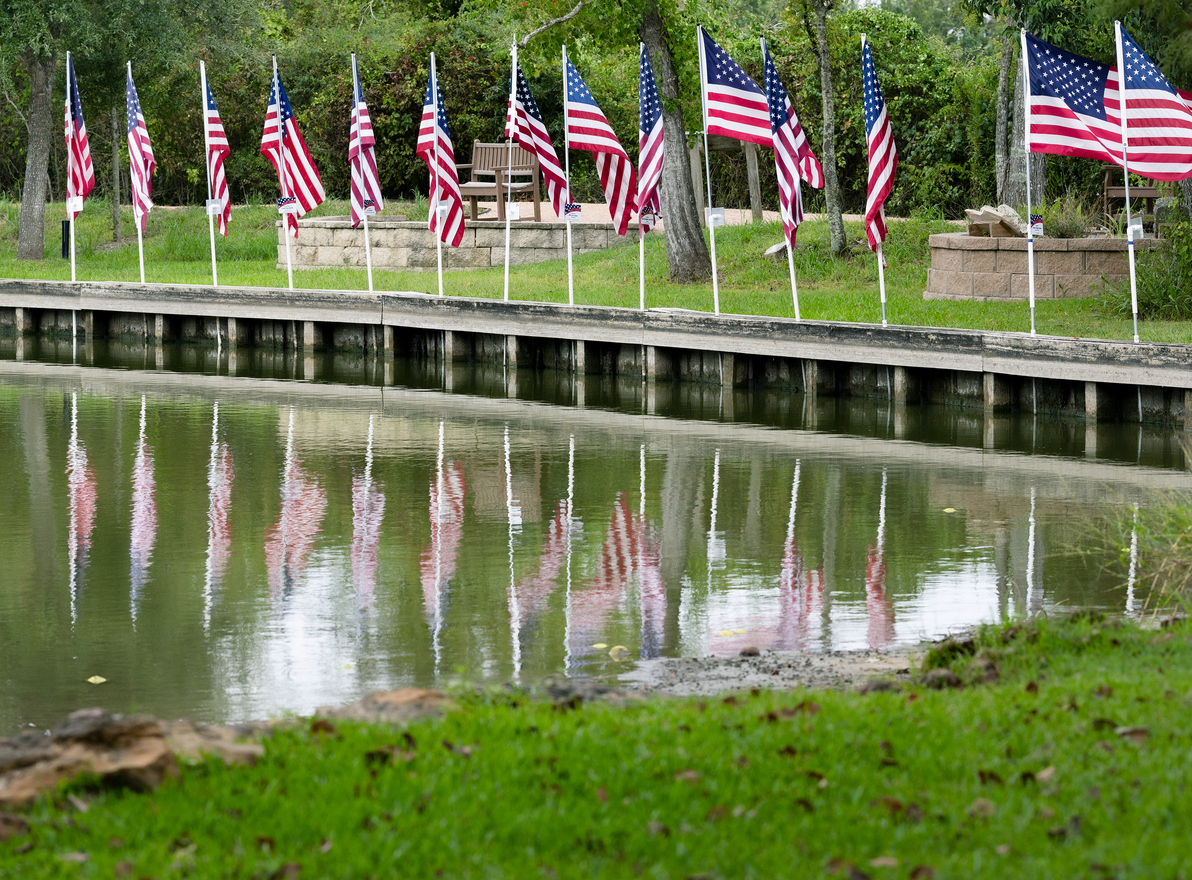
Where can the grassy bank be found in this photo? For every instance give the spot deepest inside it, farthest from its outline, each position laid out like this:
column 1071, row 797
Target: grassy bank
column 177, row 251
column 1075, row 762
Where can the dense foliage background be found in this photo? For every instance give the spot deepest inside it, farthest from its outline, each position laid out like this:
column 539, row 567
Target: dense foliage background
column 937, row 59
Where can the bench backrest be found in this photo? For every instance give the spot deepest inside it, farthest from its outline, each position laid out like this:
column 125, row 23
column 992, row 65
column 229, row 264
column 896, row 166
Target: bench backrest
column 489, row 157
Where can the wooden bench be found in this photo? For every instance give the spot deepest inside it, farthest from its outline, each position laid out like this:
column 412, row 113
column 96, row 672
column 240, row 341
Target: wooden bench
column 1118, row 193
column 492, row 161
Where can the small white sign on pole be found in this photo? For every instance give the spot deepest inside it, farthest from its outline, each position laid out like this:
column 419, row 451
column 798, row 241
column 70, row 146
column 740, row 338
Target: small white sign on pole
column 717, row 216
column 1136, row 227
column 214, row 207
column 370, row 210
column 288, row 208
column 74, row 204
column 513, row 211
column 573, row 212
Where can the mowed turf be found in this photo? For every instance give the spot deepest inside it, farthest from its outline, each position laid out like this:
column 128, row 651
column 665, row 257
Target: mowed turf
column 830, row 288
column 1074, row 762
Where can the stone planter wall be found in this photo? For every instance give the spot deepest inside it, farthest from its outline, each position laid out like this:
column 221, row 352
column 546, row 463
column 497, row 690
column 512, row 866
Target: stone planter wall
column 331, row 242
column 968, row 267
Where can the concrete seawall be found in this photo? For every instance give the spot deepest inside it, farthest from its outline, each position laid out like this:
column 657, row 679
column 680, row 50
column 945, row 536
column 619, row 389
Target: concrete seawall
column 1089, row 379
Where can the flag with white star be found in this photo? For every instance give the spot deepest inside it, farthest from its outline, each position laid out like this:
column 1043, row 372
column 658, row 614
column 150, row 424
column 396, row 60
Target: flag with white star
column 282, row 144
column 80, row 172
column 650, row 146
column 588, row 129
column 525, row 126
column 793, row 158
column 435, row 149
column 883, row 156
column 734, row 105
column 362, row 156
column 140, row 154
column 1075, row 110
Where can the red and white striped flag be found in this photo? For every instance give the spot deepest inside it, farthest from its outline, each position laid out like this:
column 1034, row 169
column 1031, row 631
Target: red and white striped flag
column 282, row 145
column 140, row 154
column 525, row 126
column 435, row 149
column 80, row 173
column 650, row 142
column 883, row 156
column 793, row 157
column 438, row 562
column 588, row 129
column 217, row 153
column 362, row 156
column 734, row 105
column 1075, row 110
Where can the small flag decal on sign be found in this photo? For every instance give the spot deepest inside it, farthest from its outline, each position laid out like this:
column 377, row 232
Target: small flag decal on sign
column 572, row 211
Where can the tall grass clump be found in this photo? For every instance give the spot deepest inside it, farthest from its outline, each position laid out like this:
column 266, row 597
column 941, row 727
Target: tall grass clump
column 1164, row 281
column 1067, row 217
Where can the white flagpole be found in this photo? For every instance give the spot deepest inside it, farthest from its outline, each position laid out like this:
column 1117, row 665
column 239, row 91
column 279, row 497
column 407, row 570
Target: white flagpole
column 281, row 163
column 790, row 245
column 514, row 606
column 703, row 95
column 434, row 178
column 440, row 486
column 641, row 232
column 137, row 222
column 511, row 124
column 367, row 246
column 881, row 259
column 567, row 174
column 570, row 520
column 69, row 213
column 210, row 183
column 1117, row 30
column 1030, row 228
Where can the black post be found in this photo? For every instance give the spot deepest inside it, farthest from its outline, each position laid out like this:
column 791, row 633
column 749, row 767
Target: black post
column 66, row 239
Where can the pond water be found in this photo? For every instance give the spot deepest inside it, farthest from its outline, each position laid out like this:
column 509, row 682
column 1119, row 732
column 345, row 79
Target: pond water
column 230, row 548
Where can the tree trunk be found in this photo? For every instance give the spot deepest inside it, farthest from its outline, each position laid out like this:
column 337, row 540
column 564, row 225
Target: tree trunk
column 1186, row 192
column 118, row 122
column 819, row 44
column 1015, row 194
column 31, row 240
column 1000, row 140
column 686, row 249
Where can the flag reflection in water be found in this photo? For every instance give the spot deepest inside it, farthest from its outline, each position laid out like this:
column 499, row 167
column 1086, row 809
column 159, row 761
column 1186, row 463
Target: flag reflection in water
column 651, row 589
column 800, row 590
column 289, row 542
column 439, row 560
column 534, row 589
column 591, row 605
column 368, row 509
column 81, row 488
column 144, row 517
column 219, row 529
column 878, row 608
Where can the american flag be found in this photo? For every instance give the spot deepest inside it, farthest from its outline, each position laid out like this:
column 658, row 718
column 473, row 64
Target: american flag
column 80, row 173
column 792, row 153
column 438, row 562
column 368, row 512
column 217, row 152
column 444, row 181
column 219, row 507
column 525, row 126
column 83, row 501
column 734, row 106
column 282, row 144
column 1075, row 110
column 588, row 129
column 362, row 155
column 650, row 146
column 140, row 154
column 883, row 156
column 289, row 543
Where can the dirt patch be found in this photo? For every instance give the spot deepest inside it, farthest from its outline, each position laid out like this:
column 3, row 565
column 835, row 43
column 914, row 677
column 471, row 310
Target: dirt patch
column 775, row 670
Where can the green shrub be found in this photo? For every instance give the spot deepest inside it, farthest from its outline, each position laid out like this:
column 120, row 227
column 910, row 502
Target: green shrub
column 1067, row 217
column 1164, row 280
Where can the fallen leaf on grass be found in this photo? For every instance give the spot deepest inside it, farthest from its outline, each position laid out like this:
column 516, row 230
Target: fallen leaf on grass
column 1046, row 775
column 1002, row 849
column 982, row 808
column 656, row 828
column 12, row 826
column 687, row 775
column 1103, row 690
column 322, row 727
column 922, row 872
column 325, row 846
column 716, row 813
column 266, row 843
column 462, row 751
column 124, row 869
column 806, row 805
column 1062, row 831
column 846, row 868
column 97, row 679
column 808, row 707
column 1138, row 734
column 892, row 804
column 788, row 751
column 1105, row 724
column 288, row 871
column 388, row 754
column 76, row 858
column 1032, row 687
column 883, row 862
column 602, row 795
column 989, row 777
column 78, row 803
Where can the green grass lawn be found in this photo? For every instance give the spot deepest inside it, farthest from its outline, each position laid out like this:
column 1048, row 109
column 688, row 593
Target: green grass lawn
column 1076, row 763
column 836, row 289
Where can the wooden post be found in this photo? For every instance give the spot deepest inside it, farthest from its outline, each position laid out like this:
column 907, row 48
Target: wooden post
column 581, row 359
column 755, row 183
